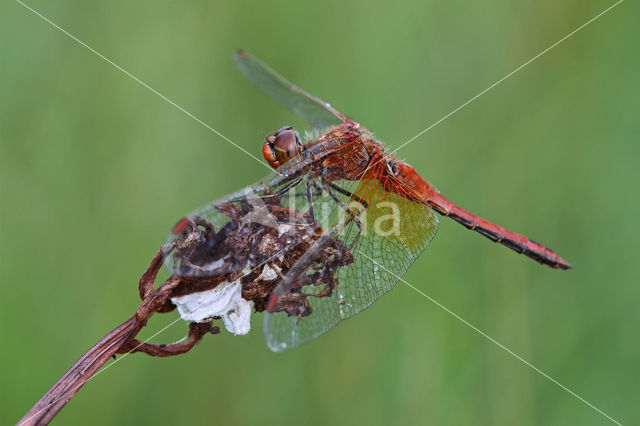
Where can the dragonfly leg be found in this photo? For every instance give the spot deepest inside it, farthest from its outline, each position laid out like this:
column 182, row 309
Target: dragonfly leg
column 353, row 216
column 317, row 188
column 312, row 217
column 292, row 184
column 288, row 187
column 309, row 193
column 348, row 194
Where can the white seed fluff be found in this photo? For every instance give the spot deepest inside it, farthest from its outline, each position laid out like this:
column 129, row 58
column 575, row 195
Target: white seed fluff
column 225, row 301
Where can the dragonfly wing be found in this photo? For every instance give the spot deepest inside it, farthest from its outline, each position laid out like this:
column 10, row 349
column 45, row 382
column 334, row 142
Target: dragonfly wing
column 317, row 112
column 231, row 253
column 218, row 230
column 269, row 245
column 395, row 231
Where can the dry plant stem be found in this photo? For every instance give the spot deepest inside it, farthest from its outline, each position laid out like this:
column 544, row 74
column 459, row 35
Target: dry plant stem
column 120, row 340
column 196, row 332
column 196, row 245
column 71, row 382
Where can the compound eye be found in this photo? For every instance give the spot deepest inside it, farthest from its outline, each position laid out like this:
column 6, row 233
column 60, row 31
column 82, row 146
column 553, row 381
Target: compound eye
column 286, row 144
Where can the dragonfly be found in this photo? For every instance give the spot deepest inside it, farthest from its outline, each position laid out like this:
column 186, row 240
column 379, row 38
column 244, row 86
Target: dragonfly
column 336, row 179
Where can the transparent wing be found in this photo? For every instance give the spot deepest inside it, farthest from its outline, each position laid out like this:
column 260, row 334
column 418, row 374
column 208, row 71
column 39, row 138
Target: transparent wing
column 317, row 112
column 309, row 274
column 393, row 231
column 225, row 239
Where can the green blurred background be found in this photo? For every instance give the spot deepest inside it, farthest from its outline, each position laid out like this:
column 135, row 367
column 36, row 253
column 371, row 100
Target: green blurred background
column 95, row 169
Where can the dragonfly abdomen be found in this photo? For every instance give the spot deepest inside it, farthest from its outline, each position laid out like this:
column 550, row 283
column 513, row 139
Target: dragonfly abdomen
column 402, row 179
column 516, row 242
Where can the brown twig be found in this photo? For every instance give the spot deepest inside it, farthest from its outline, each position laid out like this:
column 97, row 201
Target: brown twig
column 120, row 340
column 67, row 386
column 241, row 242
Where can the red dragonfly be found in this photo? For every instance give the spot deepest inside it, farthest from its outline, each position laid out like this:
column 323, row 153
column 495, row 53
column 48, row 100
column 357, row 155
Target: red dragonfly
column 344, row 179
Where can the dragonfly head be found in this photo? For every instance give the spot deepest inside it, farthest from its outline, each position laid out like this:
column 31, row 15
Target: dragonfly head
column 282, row 146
